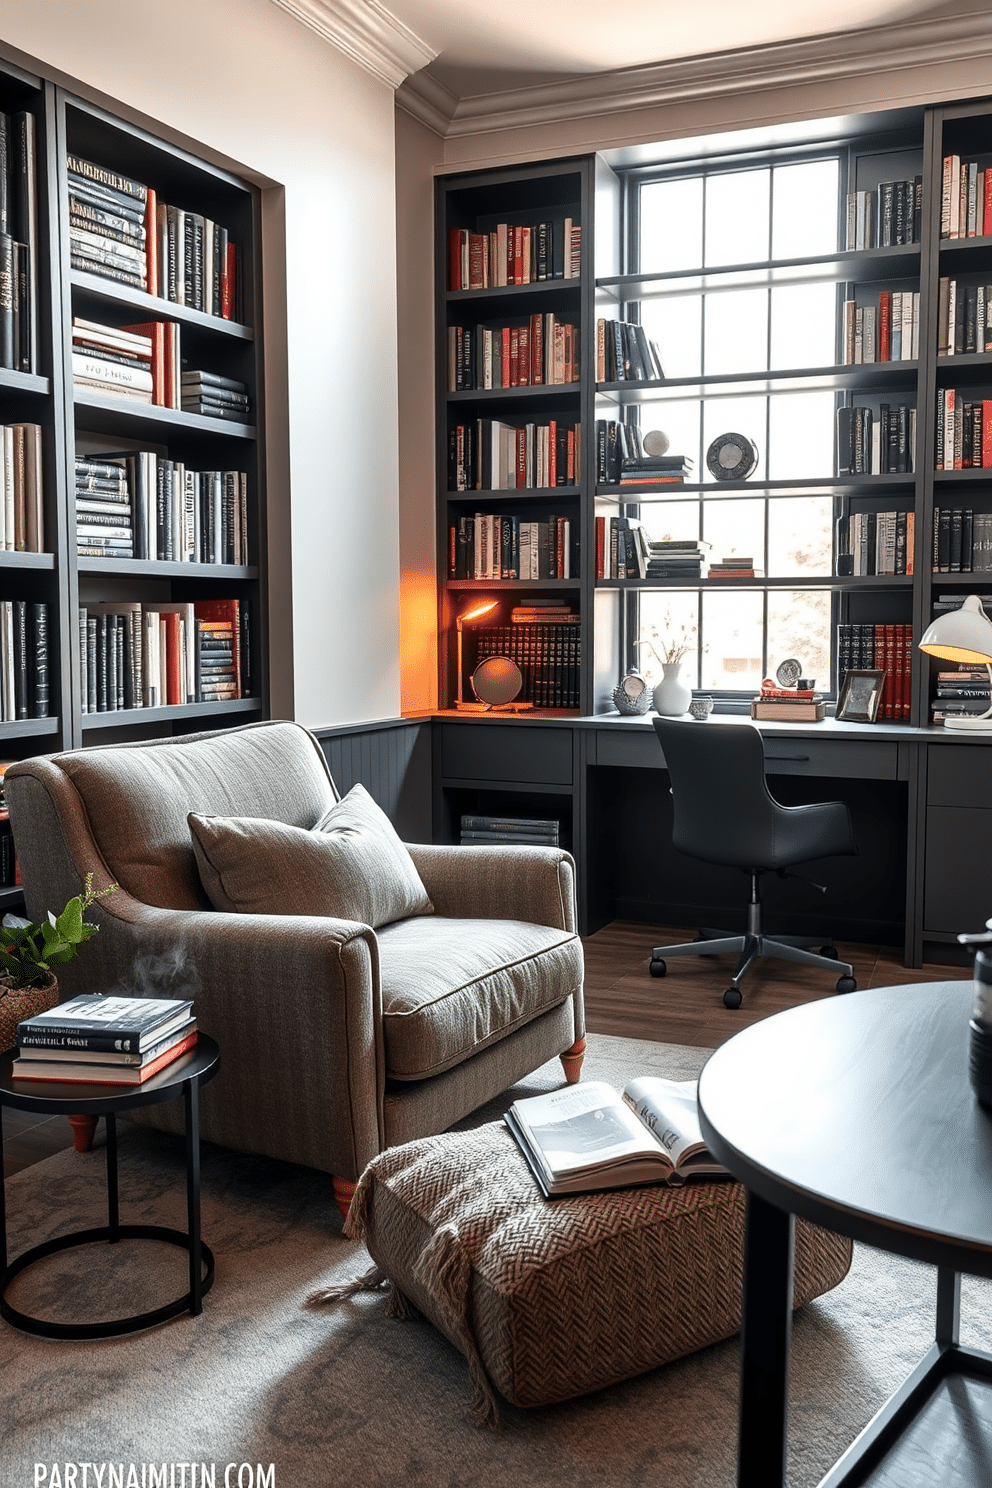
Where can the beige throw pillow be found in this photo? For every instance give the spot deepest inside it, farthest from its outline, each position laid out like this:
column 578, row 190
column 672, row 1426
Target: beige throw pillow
column 351, row 866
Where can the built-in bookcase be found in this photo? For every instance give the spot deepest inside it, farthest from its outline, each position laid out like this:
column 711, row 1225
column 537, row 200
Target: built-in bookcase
column 78, row 421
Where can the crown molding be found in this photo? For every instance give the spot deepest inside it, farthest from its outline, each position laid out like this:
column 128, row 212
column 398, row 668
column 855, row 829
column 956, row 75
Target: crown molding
column 366, row 32
column 816, row 59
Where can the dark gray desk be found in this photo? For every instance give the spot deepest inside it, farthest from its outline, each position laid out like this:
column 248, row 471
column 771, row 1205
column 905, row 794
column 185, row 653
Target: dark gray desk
column 856, row 1113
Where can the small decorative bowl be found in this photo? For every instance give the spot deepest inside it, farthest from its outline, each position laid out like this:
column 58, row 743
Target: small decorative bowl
column 700, row 708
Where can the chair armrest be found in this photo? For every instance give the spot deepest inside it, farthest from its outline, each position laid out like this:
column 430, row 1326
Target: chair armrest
column 534, row 884
column 295, row 1005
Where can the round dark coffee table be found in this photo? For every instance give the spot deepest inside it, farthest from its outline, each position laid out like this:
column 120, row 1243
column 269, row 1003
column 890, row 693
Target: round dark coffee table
column 182, row 1078
column 857, row 1113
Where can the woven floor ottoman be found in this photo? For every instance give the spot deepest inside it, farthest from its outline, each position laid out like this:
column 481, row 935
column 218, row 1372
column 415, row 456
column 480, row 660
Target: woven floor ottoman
column 549, row 1299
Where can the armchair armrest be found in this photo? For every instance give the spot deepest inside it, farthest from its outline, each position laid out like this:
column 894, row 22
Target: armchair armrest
column 534, row 884
column 294, row 1003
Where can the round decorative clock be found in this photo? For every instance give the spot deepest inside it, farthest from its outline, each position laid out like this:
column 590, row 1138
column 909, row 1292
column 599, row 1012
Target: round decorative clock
column 789, row 672
column 497, row 681
column 732, row 457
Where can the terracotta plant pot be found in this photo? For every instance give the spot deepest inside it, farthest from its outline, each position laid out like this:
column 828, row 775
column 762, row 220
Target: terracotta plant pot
column 17, row 1003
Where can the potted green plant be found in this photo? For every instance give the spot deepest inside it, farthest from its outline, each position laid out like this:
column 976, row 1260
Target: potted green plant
column 29, row 954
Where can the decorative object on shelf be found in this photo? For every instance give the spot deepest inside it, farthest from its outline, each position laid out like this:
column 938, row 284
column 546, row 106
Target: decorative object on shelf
column 732, row 457
column 632, row 695
column 963, row 635
column 788, row 672
column 673, row 694
column 29, row 952
column 474, row 612
column 655, row 442
column 861, row 695
column 497, row 682
column 806, row 684
column 701, row 707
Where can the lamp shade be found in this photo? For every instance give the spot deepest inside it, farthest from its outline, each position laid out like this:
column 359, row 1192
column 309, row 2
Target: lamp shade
column 960, row 635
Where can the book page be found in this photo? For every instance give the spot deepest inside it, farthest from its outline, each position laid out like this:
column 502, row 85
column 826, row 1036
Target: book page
column 668, row 1108
column 583, row 1128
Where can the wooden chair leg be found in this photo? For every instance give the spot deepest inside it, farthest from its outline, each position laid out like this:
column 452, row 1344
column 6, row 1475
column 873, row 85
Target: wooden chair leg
column 83, row 1128
column 571, row 1061
column 344, row 1192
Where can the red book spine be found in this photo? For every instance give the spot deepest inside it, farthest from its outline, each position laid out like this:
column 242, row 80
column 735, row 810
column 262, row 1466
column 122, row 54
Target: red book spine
column 907, row 696
column 553, row 452
column 910, row 541
column 987, row 205
column 514, row 356
column 600, row 547
column 151, row 242
column 518, row 255
column 523, row 356
column 452, row 552
column 155, row 330
column 987, row 429
column 229, row 286
column 885, row 326
column 891, row 697
column 505, row 358
column 559, row 547
column 174, row 690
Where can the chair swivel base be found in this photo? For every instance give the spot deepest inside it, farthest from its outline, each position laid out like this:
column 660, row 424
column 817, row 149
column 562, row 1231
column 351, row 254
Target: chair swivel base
column 748, row 948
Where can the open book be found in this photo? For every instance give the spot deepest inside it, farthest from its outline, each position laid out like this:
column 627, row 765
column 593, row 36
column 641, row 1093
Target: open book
column 588, row 1136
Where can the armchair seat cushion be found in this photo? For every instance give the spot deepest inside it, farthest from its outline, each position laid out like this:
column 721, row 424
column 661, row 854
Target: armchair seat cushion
column 450, row 987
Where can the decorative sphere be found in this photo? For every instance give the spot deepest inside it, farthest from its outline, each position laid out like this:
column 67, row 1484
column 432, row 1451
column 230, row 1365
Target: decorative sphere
column 655, row 442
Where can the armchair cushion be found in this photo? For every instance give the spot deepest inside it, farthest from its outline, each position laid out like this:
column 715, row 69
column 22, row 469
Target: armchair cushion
column 351, row 866
column 450, row 987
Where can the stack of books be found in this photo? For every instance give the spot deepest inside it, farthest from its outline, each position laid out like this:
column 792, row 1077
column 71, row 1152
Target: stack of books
column 961, row 692
column 732, row 568
column 92, row 1040
column 104, row 517
column 509, row 829
column 655, row 470
column 787, row 705
column 108, row 224
column 116, row 363
column 673, row 558
column 214, row 396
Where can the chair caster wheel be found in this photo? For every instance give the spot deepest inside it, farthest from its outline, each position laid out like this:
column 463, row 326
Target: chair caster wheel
column 847, row 984
column 657, row 967
column 830, row 952
column 732, row 997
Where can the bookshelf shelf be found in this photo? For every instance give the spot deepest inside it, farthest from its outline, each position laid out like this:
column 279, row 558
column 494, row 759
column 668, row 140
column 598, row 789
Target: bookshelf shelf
column 863, row 377
column 795, row 581
column 41, row 562
column 23, row 382
column 514, row 494
column 130, row 717
column 124, row 304
column 560, row 294
column 28, row 728
column 143, row 568
column 147, row 421
column 880, row 264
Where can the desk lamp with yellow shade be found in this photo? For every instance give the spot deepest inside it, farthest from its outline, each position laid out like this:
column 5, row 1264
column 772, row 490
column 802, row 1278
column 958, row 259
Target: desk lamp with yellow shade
column 963, row 635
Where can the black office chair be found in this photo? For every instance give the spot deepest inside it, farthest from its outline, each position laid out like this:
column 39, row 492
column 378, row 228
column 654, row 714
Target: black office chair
column 724, row 813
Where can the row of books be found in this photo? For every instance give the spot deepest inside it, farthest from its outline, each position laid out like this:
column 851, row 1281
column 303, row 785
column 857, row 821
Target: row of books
column 875, row 543
column 889, row 648
column 962, row 540
column 961, row 690
column 547, row 649
column 488, row 546
column 620, row 455
column 118, row 229
column 94, row 1040
column 544, row 351
column 870, row 443
column 964, row 432
column 22, row 507
column 143, row 655
column 144, row 505
column 654, row 470
column 888, row 332
column 490, row 455
column 24, row 670
column 624, row 550
column 964, row 318
column 625, row 353
column 885, row 217
column 965, row 199
column 18, row 243
column 503, row 830
column 511, row 253
column 144, row 363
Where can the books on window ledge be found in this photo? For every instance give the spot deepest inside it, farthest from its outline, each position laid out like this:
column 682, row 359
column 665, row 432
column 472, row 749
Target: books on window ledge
column 733, row 567
column 104, row 1040
column 626, row 353
column 788, row 705
column 589, row 1137
column 888, row 332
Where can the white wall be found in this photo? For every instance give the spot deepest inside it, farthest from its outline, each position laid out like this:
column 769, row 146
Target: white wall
column 246, row 80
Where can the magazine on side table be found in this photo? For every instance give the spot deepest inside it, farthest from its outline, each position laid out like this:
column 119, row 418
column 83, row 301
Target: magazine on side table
column 589, row 1137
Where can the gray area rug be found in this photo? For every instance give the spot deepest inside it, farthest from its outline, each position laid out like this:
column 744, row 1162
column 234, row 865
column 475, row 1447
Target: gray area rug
column 321, row 1397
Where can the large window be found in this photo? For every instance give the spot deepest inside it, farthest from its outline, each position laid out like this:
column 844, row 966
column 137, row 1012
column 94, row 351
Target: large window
column 713, row 325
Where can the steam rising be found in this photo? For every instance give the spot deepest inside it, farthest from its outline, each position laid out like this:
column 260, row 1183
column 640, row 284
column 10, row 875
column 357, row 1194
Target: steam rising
column 161, row 974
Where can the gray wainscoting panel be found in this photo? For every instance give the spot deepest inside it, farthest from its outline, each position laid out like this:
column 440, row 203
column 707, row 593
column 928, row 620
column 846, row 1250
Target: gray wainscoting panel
column 393, row 762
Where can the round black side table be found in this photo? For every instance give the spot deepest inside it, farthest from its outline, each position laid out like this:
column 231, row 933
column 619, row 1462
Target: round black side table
column 181, row 1078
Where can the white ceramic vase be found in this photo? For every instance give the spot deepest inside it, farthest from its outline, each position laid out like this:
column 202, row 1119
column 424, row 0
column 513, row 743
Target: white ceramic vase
column 672, row 695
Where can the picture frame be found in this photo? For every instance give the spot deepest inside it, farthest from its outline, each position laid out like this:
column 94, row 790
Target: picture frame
column 861, row 696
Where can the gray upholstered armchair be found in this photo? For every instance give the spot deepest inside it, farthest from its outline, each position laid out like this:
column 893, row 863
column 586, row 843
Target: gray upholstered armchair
column 337, row 1041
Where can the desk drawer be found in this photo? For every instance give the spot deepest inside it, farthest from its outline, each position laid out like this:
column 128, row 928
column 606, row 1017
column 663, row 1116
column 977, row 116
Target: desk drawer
column 959, row 775
column 494, row 751
column 856, row 759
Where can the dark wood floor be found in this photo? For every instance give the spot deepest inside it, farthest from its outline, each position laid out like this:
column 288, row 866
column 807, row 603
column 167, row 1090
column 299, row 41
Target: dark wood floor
column 685, row 1007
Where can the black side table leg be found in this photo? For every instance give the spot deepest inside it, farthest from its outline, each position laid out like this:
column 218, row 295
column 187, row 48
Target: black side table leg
column 192, row 1100
column 948, row 1306
column 113, row 1209
column 766, row 1335
column 3, row 1204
